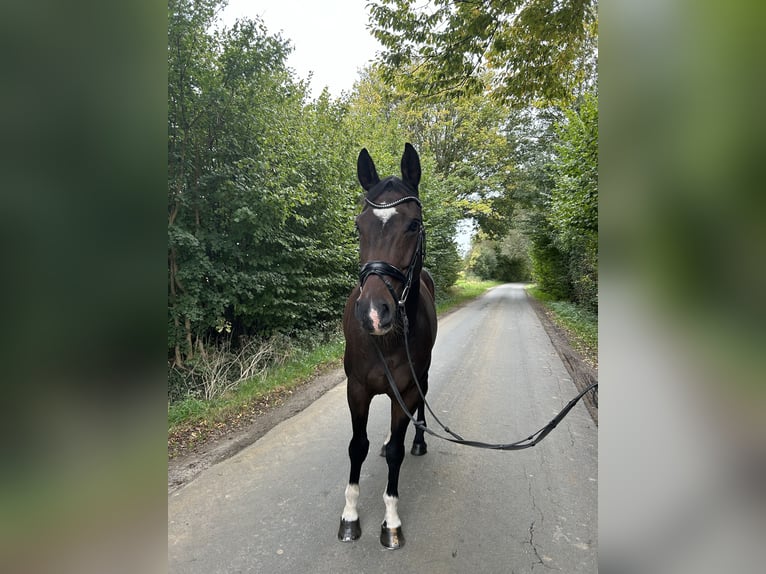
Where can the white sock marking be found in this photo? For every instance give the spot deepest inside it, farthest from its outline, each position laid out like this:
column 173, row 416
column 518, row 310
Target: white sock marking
column 352, row 496
column 391, row 519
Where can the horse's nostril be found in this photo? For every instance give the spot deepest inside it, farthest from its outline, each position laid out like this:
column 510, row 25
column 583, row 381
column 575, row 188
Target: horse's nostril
column 385, row 311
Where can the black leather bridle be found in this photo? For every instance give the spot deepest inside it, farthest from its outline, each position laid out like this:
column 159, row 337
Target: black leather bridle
column 383, row 269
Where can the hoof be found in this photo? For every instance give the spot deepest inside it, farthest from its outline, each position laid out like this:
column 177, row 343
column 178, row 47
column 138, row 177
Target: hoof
column 419, row 448
column 349, row 531
column 391, row 538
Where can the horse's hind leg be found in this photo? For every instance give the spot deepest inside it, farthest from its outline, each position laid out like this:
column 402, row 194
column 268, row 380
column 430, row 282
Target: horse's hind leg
column 359, row 405
column 385, row 444
column 419, row 447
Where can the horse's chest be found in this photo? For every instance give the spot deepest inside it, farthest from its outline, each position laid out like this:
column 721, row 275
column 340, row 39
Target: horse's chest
column 376, row 379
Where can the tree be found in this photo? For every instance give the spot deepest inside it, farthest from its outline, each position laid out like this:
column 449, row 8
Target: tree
column 558, row 195
column 574, row 199
column 382, row 119
column 468, row 156
column 259, row 188
column 536, row 50
column 573, row 204
column 506, row 259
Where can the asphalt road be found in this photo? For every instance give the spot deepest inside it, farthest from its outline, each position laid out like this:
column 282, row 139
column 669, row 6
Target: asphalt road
column 275, row 506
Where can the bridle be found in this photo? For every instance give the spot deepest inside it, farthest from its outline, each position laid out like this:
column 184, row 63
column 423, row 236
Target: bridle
column 383, row 269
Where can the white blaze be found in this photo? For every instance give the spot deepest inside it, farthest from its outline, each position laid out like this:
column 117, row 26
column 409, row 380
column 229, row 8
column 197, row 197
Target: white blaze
column 385, row 214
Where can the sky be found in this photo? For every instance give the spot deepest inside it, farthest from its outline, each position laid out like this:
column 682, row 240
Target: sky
column 329, row 37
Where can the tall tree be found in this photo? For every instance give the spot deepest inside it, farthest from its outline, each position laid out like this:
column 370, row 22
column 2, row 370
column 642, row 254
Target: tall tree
column 381, row 120
column 258, row 187
column 573, row 204
column 466, row 153
column 536, row 50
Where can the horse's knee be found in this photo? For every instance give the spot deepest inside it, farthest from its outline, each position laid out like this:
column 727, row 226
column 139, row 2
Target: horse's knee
column 358, row 448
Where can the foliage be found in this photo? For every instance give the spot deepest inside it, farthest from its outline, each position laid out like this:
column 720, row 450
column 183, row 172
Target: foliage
column 442, row 213
column 464, row 290
column 506, row 259
column 259, row 188
column 382, row 120
column 558, row 198
column 573, row 205
column 536, row 50
column 297, row 361
column 262, row 188
column 574, row 199
column 580, row 324
column 550, row 265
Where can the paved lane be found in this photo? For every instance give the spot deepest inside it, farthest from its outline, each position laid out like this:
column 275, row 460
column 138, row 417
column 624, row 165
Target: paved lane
column 275, row 506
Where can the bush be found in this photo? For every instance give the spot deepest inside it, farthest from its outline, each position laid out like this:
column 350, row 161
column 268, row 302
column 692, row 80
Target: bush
column 550, row 268
column 583, row 269
column 221, row 368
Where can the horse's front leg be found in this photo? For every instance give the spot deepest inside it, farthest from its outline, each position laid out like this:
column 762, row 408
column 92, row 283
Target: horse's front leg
column 359, row 405
column 391, row 535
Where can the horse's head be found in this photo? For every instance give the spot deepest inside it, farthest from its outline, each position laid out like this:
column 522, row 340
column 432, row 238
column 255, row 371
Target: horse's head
column 391, row 240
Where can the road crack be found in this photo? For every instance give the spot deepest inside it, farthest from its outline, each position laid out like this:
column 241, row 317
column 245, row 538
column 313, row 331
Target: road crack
column 531, row 540
column 534, row 549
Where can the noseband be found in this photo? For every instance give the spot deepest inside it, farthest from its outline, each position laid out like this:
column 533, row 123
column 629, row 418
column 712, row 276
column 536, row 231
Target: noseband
column 383, row 269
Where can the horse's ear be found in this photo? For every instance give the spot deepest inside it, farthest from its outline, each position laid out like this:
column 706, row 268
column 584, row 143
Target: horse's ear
column 365, row 170
column 411, row 167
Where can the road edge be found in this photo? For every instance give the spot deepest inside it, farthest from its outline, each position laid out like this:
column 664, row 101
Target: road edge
column 184, row 468
column 581, row 372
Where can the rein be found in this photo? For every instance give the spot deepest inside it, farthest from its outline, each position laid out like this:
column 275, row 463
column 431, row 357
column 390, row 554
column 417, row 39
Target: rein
column 528, row 442
column 383, row 269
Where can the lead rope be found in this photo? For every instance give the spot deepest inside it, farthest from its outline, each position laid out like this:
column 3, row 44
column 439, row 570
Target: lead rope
column 528, row 442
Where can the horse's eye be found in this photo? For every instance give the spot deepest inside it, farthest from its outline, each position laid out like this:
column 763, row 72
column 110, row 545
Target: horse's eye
column 414, row 225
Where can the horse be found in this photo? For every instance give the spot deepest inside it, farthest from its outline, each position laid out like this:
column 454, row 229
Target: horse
column 394, row 293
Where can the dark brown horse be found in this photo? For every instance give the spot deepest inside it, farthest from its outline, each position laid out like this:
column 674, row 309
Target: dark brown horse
column 392, row 284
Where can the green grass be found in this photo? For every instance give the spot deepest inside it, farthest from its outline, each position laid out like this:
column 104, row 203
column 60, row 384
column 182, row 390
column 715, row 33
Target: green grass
column 299, row 367
column 581, row 325
column 189, row 409
column 463, row 290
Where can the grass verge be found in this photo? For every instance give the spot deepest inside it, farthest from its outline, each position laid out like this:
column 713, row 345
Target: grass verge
column 198, row 419
column 298, row 367
column 580, row 325
column 462, row 291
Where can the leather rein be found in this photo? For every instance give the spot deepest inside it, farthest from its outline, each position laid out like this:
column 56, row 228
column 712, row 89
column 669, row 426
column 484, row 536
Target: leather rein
column 383, row 269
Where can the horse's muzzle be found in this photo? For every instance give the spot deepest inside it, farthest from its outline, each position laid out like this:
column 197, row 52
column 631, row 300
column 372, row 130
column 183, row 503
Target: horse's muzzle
column 376, row 318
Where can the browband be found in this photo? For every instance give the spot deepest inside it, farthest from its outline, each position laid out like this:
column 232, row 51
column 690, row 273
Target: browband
column 393, row 203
